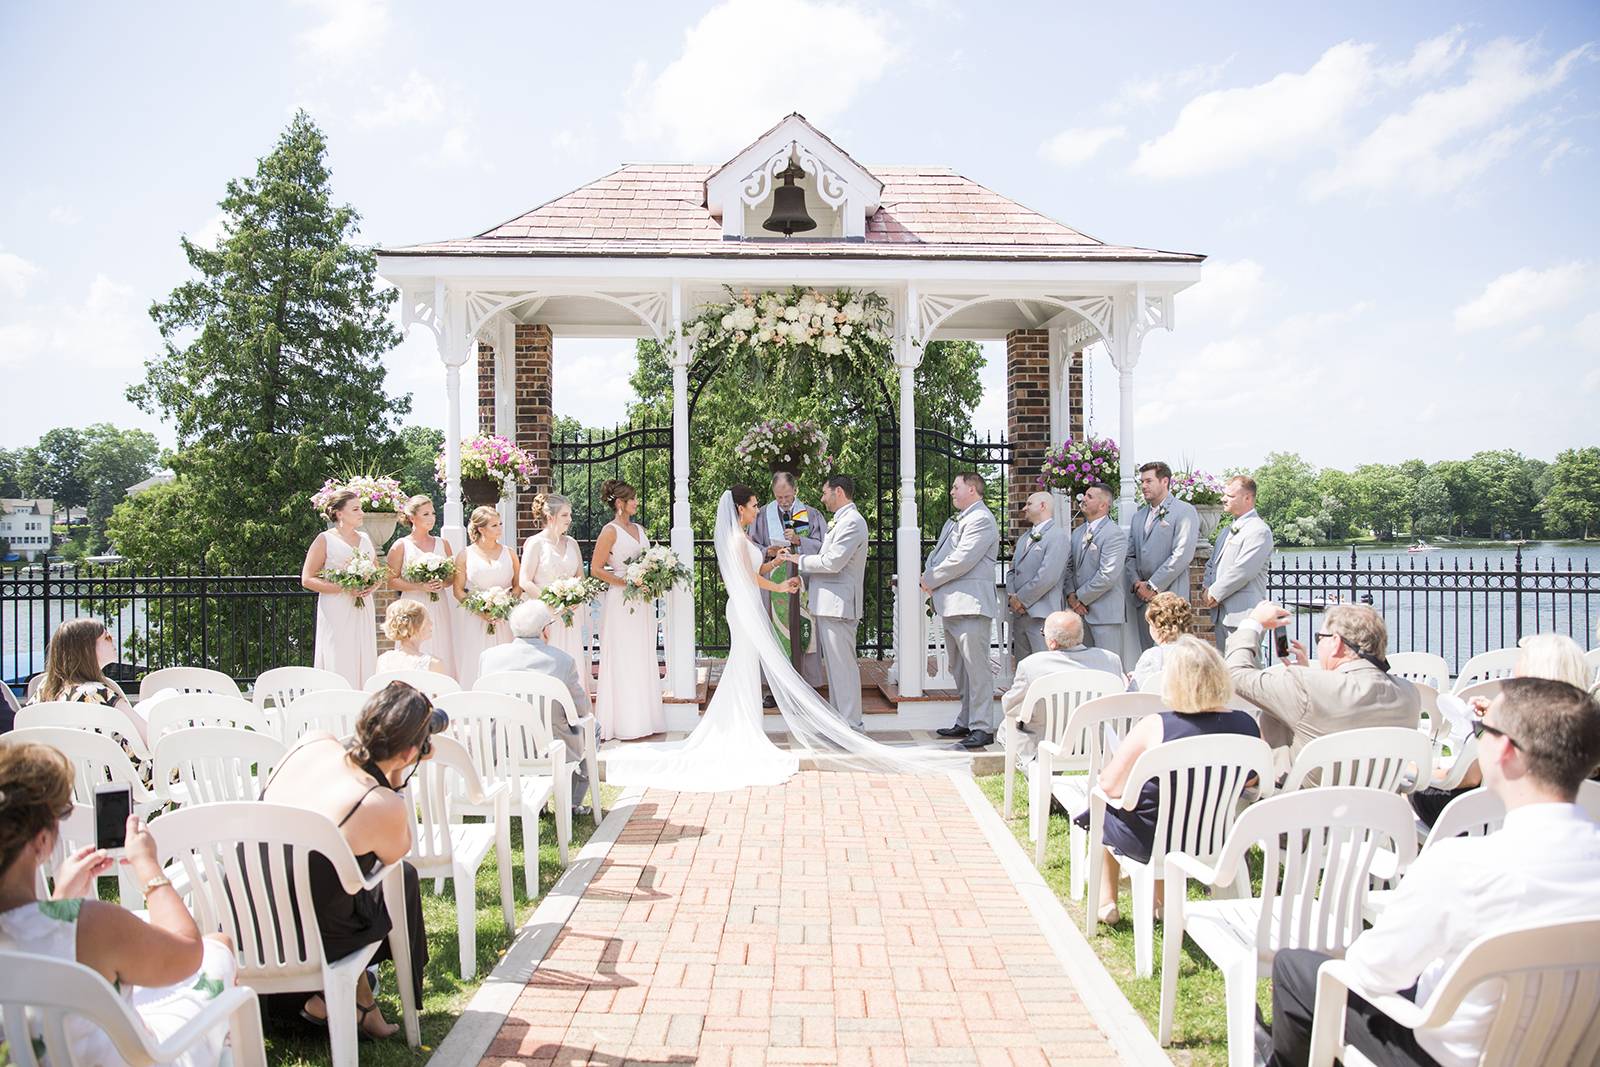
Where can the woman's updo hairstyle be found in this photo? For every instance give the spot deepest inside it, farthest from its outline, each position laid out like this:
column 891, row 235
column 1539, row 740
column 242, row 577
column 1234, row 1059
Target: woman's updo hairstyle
column 394, row 719
column 547, row 506
column 409, row 510
column 404, row 620
column 336, row 502
column 35, row 790
column 1170, row 616
column 742, row 494
column 482, row 516
column 614, row 490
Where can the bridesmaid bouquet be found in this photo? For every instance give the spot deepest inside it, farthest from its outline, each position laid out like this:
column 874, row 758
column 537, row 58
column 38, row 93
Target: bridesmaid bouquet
column 357, row 576
column 651, row 573
column 429, row 568
column 566, row 594
column 495, row 602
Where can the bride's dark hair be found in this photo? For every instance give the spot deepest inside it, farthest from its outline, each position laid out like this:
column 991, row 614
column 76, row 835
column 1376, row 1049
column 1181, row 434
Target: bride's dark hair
column 742, row 494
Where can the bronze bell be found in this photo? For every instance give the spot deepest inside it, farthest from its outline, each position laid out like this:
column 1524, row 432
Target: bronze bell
column 789, row 204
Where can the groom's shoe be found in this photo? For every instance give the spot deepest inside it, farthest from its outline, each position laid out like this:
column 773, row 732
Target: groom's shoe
column 978, row 739
column 952, row 731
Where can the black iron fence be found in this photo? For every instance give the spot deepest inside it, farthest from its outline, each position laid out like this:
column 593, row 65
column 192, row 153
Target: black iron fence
column 1451, row 607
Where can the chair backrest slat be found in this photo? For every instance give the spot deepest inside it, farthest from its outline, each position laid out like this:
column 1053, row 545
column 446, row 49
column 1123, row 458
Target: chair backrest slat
column 96, row 760
column 1199, row 781
column 1486, row 666
column 96, row 718
column 278, row 688
column 187, row 680
column 1059, row 696
column 1375, row 757
column 430, row 682
column 186, row 710
column 216, row 764
column 334, row 710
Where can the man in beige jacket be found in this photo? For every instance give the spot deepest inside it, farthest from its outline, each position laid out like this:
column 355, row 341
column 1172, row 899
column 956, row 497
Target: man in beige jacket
column 1352, row 689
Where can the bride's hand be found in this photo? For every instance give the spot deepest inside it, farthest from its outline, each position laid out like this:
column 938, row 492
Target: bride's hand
column 792, row 585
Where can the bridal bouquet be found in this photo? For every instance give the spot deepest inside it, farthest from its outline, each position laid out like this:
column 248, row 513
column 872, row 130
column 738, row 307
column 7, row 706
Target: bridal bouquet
column 564, row 595
column 651, row 573
column 357, row 576
column 429, row 568
column 495, row 602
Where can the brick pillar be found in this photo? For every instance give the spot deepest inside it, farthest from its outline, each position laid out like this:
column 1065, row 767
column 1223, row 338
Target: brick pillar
column 535, row 418
column 1027, row 419
column 485, row 388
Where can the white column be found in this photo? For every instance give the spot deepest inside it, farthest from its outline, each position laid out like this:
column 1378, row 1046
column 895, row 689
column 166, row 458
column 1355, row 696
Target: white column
column 911, row 650
column 505, row 416
column 1060, row 413
column 454, row 348
column 1127, row 341
column 680, row 630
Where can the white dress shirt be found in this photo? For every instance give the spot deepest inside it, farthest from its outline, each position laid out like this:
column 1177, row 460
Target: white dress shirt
column 1544, row 864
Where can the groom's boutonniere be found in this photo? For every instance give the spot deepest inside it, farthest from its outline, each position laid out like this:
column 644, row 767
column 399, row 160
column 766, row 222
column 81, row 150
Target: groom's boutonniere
column 1088, row 539
column 1034, row 536
column 1161, row 513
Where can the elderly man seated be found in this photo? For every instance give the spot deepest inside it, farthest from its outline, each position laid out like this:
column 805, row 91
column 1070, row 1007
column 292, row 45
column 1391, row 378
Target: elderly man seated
column 530, row 652
column 1354, row 688
column 1064, row 651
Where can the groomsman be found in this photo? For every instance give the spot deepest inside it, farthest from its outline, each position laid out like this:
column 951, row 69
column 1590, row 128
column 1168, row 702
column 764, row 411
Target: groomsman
column 960, row 578
column 837, row 572
column 1236, row 574
column 1033, row 583
column 1094, row 576
column 1161, row 543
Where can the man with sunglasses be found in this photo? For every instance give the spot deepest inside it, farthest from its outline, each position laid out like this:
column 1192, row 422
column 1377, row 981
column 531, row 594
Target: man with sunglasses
column 1536, row 744
column 1352, row 689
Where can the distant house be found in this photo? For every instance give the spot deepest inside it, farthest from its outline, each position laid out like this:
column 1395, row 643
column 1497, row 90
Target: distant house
column 158, row 478
column 25, row 526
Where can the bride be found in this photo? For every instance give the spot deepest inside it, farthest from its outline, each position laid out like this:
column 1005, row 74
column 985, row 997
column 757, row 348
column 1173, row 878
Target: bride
column 730, row 749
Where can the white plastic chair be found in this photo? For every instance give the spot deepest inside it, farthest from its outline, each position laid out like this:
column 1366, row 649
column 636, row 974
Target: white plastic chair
column 334, row 710
column 248, row 864
column 1087, row 728
column 1373, row 757
column 1318, row 847
column 72, row 833
column 442, row 848
column 215, row 764
column 277, row 688
column 1548, row 1013
column 48, row 998
column 96, row 718
column 187, row 680
column 536, row 689
column 511, row 741
column 430, row 682
column 1489, row 688
column 1461, row 761
column 1423, row 667
column 1199, row 783
column 1053, row 699
column 1486, row 666
column 184, row 711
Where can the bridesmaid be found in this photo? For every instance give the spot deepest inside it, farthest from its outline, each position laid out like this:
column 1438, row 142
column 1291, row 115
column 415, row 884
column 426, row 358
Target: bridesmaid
column 548, row 555
column 347, row 636
column 483, row 564
column 419, row 515
column 628, row 692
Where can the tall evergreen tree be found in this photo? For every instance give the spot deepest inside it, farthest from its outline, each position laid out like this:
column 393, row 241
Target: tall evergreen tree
column 272, row 369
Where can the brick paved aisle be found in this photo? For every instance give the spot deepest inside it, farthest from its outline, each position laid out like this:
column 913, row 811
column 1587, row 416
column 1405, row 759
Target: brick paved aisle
column 841, row 918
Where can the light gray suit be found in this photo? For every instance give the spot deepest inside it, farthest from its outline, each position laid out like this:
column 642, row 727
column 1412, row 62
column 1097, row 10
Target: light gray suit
column 1236, row 574
column 837, row 574
column 1038, row 564
column 1099, row 554
column 961, row 573
column 1041, row 664
column 1161, row 556
column 533, row 654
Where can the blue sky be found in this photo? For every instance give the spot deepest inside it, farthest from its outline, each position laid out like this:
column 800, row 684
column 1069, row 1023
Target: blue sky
column 1398, row 199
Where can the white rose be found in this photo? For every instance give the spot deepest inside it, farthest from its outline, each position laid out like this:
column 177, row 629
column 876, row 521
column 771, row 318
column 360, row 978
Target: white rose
column 846, row 330
column 831, row 346
column 727, row 322
column 791, row 313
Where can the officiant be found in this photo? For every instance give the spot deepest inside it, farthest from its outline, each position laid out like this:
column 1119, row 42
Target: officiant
column 788, row 523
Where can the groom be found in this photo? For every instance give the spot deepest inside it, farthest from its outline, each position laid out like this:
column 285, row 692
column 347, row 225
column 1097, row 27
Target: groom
column 837, row 573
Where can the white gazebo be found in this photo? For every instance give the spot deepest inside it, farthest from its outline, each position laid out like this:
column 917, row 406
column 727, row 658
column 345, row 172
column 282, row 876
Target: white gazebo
column 635, row 252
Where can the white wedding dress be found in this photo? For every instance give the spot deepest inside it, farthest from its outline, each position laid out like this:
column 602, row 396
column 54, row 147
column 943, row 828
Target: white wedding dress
column 730, row 748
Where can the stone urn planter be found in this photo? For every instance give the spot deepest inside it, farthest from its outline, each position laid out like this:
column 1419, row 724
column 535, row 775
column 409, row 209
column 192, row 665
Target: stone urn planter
column 481, row 492
column 380, row 526
column 1210, row 515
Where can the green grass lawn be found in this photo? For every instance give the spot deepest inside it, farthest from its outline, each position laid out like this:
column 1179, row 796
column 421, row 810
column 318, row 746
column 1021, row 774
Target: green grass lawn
column 1200, row 1030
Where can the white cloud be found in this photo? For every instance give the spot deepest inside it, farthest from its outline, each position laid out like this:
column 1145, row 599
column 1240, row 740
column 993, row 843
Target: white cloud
column 210, row 235
column 1591, row 381
column 417, row 100
column 1275, row 120
column 729, row 69
column 16, row 274
column 1449, row 136
column 108, row 328
column 1526, row 337
column 1521, row 293
column 1431, row 59
column 63, row 216
column 347, row 28
column 1587, row 331
column 1229, row 294
column 1146, row 92
column 1564, row 146
column 1071, row 147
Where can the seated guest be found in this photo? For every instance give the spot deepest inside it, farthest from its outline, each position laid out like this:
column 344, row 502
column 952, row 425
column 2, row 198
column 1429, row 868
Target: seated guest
column 1536, row 743
column 409, row 624
column 161, row 966
column 356, row 783
column 1554, row 657
column 1195, row 687
column 529, row 651
column 1064, row 650
column 1354, row 688
column 74, row 670
column 1168, row 617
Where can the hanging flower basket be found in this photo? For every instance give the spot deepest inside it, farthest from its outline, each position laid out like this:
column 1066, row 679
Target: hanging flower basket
column 1078, row 464
column 784, row 445
column 488, row 463
column 381, row 500
column 482, row 492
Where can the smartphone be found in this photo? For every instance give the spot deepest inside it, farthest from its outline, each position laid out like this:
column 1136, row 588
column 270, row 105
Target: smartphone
column 1283, row 643
column 113, row 803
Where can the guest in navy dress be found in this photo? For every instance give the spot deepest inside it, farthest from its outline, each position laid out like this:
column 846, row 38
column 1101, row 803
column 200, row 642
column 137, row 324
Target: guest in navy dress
column 1195, row 687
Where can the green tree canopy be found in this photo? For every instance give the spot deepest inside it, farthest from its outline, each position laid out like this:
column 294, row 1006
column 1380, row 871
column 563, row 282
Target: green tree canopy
column 1571, row 505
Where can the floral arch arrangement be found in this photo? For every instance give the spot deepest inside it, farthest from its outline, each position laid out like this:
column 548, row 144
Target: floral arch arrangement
column 762, row 333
